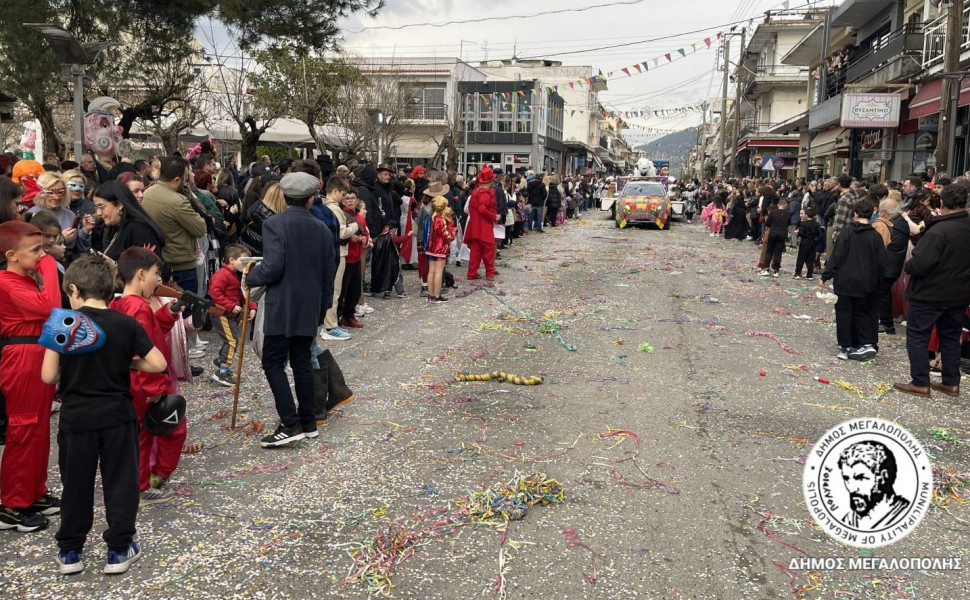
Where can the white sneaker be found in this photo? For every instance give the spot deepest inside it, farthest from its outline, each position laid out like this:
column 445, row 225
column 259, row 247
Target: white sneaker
column 359, row 312
column 196, row 353
column 764, row 272
column 202, row 344
column 366, row 308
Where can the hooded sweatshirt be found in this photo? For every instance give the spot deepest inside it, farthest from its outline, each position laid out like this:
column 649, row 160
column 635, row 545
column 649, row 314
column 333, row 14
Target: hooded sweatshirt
column 365, row 191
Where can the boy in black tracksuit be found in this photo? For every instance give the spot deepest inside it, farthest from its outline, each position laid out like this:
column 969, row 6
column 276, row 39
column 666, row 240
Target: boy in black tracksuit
column 777, row 224
column 807, row 233
column 98, row 423
column 856, row 265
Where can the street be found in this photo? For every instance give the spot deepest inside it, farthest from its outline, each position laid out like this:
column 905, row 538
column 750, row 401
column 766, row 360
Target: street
column 680, row 464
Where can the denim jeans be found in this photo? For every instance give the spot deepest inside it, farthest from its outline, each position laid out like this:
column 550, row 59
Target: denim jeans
column 535, row 218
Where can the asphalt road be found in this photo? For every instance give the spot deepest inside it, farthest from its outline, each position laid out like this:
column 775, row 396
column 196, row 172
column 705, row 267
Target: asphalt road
column 681, row 467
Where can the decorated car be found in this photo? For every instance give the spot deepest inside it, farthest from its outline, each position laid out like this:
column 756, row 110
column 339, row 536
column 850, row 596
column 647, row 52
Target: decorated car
column 641, row 200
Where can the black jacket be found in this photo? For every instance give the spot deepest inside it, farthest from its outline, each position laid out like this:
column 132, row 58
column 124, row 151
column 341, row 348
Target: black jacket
column 777, row 222
column 857, row 261
column 808, row 231
column 365, row 191
column 536, row 192
column 252, row 235
column 390, row 202
column 554, row 198
column 896, row 250
column 939, row 269
column 501, row 202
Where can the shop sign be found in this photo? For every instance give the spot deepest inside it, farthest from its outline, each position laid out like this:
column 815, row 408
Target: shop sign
column 870, row 110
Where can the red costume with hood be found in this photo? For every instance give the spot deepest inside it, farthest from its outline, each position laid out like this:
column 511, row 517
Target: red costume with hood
column 479, row 236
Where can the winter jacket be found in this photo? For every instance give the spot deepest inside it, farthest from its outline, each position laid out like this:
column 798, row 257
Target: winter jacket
column 795, row 207
column 554, row 197
column 857, row 261
column 440, row 236
column 226, row 290
column 365, row 191
column 326, row 216
column 180, row 223
column 808, row 231
column 537, row 193
column 157, row 325
column 939, row 269
column 252, row 236
column 896, row 249
column 777, row 222
column 348, row 227
column 390, row 202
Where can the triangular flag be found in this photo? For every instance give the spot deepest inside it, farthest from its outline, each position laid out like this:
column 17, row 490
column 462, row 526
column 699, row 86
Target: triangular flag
column 571, row 85
column 572, row 113
column 521, row 93
column 719, row 34
column 588, row 82
column 682, row 53
column 579, row 83
column 626, row 70
column 785, row 4
column 668, row 56
column 610, row 74
column 694, row 48
column 645, row 67
column 707, row 41
column 655, row 61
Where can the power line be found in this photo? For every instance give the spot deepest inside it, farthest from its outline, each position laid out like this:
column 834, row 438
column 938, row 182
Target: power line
column 502, row 18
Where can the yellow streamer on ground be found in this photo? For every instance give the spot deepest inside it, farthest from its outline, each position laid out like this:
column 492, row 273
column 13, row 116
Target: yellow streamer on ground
column 500, row 376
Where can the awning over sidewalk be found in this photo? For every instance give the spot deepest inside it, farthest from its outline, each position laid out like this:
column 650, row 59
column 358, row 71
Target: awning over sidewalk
column 829, row 141
column 927, row 100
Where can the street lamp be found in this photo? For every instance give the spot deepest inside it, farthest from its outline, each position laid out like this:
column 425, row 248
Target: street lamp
column 380, row 120
column 74, row 57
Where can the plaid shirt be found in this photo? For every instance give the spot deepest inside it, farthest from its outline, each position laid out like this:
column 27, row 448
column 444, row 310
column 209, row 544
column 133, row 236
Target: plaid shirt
column 843, row 212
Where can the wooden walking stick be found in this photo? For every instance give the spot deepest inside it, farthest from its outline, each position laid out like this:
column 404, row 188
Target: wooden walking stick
column 242, row 347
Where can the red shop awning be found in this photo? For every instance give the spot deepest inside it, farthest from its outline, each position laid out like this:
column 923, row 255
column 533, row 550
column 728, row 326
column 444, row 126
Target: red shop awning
column 927, row 100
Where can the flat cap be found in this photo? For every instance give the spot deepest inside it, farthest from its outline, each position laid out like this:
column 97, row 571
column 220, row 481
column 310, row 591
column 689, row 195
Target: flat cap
column 299, row 185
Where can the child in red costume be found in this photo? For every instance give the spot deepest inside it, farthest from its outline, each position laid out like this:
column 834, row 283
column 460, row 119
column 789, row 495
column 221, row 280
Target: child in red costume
column 140, row 271
column 225, row 287
column 24, row 307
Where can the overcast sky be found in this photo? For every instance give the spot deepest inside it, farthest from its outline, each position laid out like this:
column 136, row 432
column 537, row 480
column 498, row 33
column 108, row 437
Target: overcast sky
column 636, row 23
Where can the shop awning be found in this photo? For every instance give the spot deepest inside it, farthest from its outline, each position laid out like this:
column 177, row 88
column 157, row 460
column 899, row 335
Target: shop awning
column 829, row 141
column 599, row 163
column 768, row 143
column 927, row 100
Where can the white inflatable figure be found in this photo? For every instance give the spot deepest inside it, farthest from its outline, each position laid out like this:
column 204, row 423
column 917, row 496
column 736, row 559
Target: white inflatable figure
column 32, row 140
column 645, row 168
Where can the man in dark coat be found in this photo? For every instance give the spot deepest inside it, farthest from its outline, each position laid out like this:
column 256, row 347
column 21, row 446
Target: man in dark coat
column 895, row 235
column 938, row 292
column 384, row 191
column 298, row 273
column 537, row 200
column 367, row 191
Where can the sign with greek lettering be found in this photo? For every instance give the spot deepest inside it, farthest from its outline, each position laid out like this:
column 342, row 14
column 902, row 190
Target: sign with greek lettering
column 870, row 110
column 868, row 482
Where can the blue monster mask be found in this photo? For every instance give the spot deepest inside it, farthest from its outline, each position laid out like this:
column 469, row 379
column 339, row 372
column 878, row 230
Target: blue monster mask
column 71, row 332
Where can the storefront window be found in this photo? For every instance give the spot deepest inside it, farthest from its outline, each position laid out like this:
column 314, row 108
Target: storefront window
column 505, row 116
column 486, row 111
column 523, row 115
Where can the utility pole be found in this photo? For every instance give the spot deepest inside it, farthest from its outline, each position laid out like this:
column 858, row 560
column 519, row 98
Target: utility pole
column 724, row 93
column 738, row 82
column 948, row 108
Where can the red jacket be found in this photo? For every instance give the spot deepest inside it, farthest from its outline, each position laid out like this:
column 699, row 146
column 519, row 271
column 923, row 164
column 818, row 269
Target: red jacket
column 157, row 324
column 356, row 249
column 226, row 290
column 442, row 232
column 481, row 215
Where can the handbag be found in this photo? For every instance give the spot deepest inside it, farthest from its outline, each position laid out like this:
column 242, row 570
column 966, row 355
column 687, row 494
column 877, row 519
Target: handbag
column 510, row 218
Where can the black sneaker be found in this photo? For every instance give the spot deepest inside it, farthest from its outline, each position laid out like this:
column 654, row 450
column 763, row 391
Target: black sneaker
column 21, row 520
column 402, row 295
column 387, row 295
column 47, row 505
column 310, row 430
column 887, row 330
column 223, row 377
column 283, row 436
column 442, row 299
column 424, row 292
column 197, row 371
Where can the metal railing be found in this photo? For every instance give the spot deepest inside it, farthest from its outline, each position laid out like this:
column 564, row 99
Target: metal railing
column 428, row 112
column 934, row 39
column 753, row 128
column 785, row 71
column 906, row 40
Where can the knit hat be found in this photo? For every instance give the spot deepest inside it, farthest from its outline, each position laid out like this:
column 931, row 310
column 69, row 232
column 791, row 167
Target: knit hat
column 486, row 174
column 23, row 168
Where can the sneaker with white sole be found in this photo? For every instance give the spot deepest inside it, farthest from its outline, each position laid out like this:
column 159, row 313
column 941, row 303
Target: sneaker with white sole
column 283, row 436
column 335, row 334
column 843, row 354
column 118, row 562
column 21, row 519
column 367, row 308
column 764, row 272
column 223, row 377
column 157, row 481
column 69, row 562
column 196, row 353
column 310, row 430
column 866, row 352
column 155, row 496
column 203, row 344
column 47, row 505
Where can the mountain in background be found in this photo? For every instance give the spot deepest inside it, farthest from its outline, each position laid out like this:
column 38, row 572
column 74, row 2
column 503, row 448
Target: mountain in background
column 672, row 147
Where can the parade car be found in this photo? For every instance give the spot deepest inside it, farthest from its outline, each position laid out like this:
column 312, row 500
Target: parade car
column 641, row 200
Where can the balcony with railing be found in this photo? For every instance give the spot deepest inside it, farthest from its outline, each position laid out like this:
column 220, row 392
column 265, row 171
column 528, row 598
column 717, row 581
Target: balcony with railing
column 934, row 39
column 751, row 128
column 427, row 112
column 891, row 57
column 762, row 77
